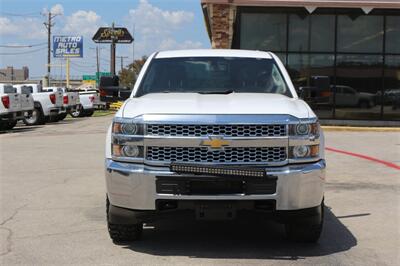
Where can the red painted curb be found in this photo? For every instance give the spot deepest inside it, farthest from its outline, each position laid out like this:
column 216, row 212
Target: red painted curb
column 388, row 164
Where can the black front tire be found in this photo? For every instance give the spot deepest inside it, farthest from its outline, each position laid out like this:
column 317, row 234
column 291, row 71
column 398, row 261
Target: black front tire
column 10, row 125
column 78, row 112
column 34, row 118
column 89, row 113
column 123, row 232
column 306, row 230
column 62, row 116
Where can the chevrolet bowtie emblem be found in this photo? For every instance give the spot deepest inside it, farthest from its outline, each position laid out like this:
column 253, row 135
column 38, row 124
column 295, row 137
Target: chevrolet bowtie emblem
column 215, row 142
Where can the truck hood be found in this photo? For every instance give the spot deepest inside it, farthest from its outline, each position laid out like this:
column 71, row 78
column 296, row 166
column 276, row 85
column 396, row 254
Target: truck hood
column 234, row 103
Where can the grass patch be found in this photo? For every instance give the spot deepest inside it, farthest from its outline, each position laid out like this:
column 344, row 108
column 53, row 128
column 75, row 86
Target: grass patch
column 99, row 113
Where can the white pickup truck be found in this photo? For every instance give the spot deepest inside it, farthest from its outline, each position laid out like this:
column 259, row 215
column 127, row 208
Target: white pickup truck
column 218, row 133
column 10, row 107
column 47, row 105
column 27, row 102
column 90, row 101
column 71, row 101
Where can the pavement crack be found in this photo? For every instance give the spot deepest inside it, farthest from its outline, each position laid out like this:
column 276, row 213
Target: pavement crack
column 10, row 232
column 13, row 215
column 8, row 241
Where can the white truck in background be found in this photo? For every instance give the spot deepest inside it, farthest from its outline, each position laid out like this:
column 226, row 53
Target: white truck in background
column 10, row 107
column 47, row 105
column 90, row 101
column 71, row 101
column 27, row 102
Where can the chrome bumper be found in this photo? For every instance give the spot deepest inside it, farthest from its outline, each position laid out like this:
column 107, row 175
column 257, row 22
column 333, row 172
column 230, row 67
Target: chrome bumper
column 133, row 186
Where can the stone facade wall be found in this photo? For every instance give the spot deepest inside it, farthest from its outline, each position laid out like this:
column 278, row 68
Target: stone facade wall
column 222, row 19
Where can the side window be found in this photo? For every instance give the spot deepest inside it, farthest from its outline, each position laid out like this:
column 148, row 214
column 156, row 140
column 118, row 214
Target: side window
column 278, row 82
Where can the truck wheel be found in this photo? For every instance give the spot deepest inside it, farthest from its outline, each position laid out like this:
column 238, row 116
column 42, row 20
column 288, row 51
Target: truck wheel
column 123, row 232
column 62, row 116
column 35, row 118
column 78, row 112
column 89, row 113
column 10, row 125
column 305, row 230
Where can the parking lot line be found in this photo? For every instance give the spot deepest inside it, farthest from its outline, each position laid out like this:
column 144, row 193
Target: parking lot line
column 388, row 164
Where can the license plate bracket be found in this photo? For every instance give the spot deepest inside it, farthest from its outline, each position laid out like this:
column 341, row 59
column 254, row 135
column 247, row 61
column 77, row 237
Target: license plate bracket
column 215, row 211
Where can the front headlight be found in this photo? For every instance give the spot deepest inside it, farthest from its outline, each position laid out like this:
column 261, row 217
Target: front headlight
column 129, row 151
column 304, row 151
column 304, row 129
column 127, row 139
column 127, row 128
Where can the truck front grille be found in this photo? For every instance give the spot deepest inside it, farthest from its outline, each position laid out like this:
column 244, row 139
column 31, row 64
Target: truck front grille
column 220, row 130
column 227, row 155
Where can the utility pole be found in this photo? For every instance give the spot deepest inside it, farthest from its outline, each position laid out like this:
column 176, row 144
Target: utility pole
column 113, row 40
column 97, row 60
column 122, row 60
column 48, row 26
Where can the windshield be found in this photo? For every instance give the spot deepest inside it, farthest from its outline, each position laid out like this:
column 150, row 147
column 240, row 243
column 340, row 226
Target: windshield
column 213, row 75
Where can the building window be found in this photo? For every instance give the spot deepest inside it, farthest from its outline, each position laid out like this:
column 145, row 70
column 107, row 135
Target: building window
column 299, row 33
column 358, row 83
column 392, row 35
column 359, row 53
column 263, row 31
column 360, row 34
column 322, row 33
column 391, row 95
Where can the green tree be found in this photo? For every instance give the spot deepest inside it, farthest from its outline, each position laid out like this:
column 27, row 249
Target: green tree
column 127, row 76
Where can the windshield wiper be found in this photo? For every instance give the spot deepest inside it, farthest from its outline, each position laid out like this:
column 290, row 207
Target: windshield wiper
column 216, row 92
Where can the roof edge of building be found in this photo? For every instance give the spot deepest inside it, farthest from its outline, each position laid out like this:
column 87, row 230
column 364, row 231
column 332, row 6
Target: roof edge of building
column 387, row 4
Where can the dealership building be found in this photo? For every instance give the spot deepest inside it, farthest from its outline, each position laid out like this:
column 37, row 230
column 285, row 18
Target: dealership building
column 356, row 43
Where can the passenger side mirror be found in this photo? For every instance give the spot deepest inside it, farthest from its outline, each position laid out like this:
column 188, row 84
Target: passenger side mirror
column 301, row 92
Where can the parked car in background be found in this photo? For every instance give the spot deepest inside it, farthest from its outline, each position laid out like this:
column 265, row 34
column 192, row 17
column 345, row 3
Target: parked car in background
column 90, row 101
column 110, row 90
column 349, row 97
column 47, row 105
column 71, row 101
column 10, row 107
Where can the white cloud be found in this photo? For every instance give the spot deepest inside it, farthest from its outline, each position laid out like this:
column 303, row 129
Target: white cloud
column 26, row 28
column 6, row 26
column 153, row 20
column 83, row 23
column 172, row 44
column 57, row 9
column 154, row 28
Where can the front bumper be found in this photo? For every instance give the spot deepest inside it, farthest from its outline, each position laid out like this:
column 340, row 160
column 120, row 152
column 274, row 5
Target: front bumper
column 133, row 186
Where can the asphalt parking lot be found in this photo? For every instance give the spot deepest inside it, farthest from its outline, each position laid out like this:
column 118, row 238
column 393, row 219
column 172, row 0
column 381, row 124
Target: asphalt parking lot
column 52, row 196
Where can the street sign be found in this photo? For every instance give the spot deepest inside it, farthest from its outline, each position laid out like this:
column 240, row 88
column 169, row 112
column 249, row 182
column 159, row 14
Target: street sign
column 96, row 77
column 89, row 77
column 67, row 46
column 108, row 34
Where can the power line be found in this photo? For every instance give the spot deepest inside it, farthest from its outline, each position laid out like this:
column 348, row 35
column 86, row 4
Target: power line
column 80, row 65
column 23, row 46
column 26, row 52
column 32, row 14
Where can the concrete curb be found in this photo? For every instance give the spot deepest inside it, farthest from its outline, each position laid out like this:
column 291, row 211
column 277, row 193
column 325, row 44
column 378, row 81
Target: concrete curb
column 359, row 129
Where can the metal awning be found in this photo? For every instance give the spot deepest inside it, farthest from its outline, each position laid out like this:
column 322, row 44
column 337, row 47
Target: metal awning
column 370, row 4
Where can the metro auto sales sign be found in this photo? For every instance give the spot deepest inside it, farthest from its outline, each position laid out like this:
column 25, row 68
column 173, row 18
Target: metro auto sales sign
column 67, row 46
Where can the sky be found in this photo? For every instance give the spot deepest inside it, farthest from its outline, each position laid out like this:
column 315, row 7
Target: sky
column 155, row 25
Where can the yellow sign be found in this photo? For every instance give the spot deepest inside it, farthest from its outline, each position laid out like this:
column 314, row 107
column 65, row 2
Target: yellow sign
column 215, row 142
